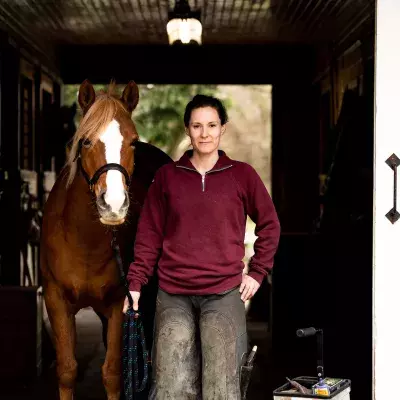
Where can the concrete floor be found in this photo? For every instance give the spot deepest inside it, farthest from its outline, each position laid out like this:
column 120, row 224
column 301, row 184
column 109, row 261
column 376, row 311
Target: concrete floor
column 90, row 356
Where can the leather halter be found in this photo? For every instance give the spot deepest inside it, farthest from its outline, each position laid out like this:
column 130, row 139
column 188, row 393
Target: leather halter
column 106, row 167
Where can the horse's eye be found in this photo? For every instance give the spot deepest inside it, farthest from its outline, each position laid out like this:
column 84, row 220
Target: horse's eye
column 86, row 143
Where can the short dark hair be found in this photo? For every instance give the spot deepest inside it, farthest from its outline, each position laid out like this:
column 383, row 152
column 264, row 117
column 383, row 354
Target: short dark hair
column 200, row 101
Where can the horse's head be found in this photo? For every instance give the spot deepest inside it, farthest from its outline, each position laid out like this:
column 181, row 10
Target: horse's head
column 103, row 148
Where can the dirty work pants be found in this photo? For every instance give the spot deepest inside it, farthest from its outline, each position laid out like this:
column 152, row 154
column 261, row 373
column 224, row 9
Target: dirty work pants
column 200, row 343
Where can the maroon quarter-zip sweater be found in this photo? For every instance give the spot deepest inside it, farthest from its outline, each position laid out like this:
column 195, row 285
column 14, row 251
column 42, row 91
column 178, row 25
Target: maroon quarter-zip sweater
column 193, row 227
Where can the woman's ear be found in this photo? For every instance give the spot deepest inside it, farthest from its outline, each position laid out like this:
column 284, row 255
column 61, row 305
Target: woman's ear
column 223, row 129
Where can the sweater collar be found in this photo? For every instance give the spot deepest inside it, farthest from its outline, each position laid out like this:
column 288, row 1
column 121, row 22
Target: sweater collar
column 223, row 160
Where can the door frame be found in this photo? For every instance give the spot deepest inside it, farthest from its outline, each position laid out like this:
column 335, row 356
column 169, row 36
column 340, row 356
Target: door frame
column 386, row 235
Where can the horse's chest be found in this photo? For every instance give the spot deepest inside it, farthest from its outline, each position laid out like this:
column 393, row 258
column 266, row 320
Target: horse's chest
column 91, row 280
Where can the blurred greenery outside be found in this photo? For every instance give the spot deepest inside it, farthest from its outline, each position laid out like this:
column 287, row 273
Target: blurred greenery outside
column 159, row 114
column 159, row 121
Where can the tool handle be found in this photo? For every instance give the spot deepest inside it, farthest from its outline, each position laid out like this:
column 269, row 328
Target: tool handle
column 251, row 356
column 305, row 332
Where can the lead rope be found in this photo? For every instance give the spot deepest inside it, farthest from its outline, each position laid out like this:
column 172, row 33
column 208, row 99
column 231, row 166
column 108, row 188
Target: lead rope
column 133, row 333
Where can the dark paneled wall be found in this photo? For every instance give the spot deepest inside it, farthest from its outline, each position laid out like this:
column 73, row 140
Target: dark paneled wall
column 13, row 223
column 325, row 280
column 295, row 155
column 10, row 199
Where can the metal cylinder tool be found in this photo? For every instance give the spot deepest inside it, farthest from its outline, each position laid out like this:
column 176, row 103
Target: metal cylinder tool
column 320, row 347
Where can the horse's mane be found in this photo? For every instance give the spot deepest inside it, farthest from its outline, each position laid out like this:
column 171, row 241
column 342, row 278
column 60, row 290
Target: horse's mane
column 93, row 124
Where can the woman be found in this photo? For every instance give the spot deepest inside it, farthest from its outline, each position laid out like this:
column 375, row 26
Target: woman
column 193, row 225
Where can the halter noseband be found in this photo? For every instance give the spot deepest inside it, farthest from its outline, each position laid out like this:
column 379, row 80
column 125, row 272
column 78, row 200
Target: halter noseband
column 107, row 167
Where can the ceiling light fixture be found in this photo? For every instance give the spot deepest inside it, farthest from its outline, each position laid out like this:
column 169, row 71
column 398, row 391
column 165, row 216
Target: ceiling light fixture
column 184, row 26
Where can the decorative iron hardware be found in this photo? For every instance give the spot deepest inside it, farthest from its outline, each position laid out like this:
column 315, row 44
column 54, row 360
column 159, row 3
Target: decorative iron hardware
column 393, row 161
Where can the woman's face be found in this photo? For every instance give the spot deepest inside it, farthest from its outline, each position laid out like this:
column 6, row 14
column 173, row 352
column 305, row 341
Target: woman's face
column 205, row 130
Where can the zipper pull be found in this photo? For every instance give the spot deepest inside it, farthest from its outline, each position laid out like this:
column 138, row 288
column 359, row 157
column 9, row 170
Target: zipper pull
column 203, row 178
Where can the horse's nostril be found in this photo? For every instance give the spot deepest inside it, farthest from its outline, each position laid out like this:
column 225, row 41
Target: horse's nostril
column 101, row 202
column 126, row 201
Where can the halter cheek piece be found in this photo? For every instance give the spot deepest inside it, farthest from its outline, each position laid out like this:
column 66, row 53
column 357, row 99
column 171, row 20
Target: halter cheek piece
column 107, row 167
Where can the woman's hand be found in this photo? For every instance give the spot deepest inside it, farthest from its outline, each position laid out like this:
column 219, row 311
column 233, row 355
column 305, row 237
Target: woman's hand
column 135, row 297
column 248, row 288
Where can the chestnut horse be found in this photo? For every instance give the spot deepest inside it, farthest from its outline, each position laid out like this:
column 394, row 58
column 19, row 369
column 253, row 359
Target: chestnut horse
column 101, row 187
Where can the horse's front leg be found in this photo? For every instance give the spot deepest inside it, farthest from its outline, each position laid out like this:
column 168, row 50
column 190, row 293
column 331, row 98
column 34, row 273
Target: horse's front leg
column 62, row 320
column 112, row 365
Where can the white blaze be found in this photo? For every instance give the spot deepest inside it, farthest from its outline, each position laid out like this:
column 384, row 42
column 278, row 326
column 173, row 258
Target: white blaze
column 112, row 140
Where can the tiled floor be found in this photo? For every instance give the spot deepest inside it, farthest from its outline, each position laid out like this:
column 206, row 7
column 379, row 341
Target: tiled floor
column 90, row 355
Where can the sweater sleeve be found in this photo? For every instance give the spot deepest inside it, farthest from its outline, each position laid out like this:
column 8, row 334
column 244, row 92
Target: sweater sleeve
column 261, row 210
column 149, row 236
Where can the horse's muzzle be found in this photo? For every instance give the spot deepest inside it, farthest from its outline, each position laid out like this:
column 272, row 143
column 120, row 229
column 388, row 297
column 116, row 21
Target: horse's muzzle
column 107, row 215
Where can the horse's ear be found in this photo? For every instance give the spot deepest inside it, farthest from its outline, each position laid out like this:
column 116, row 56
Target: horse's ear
column 87, row 96
column 130, row 96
